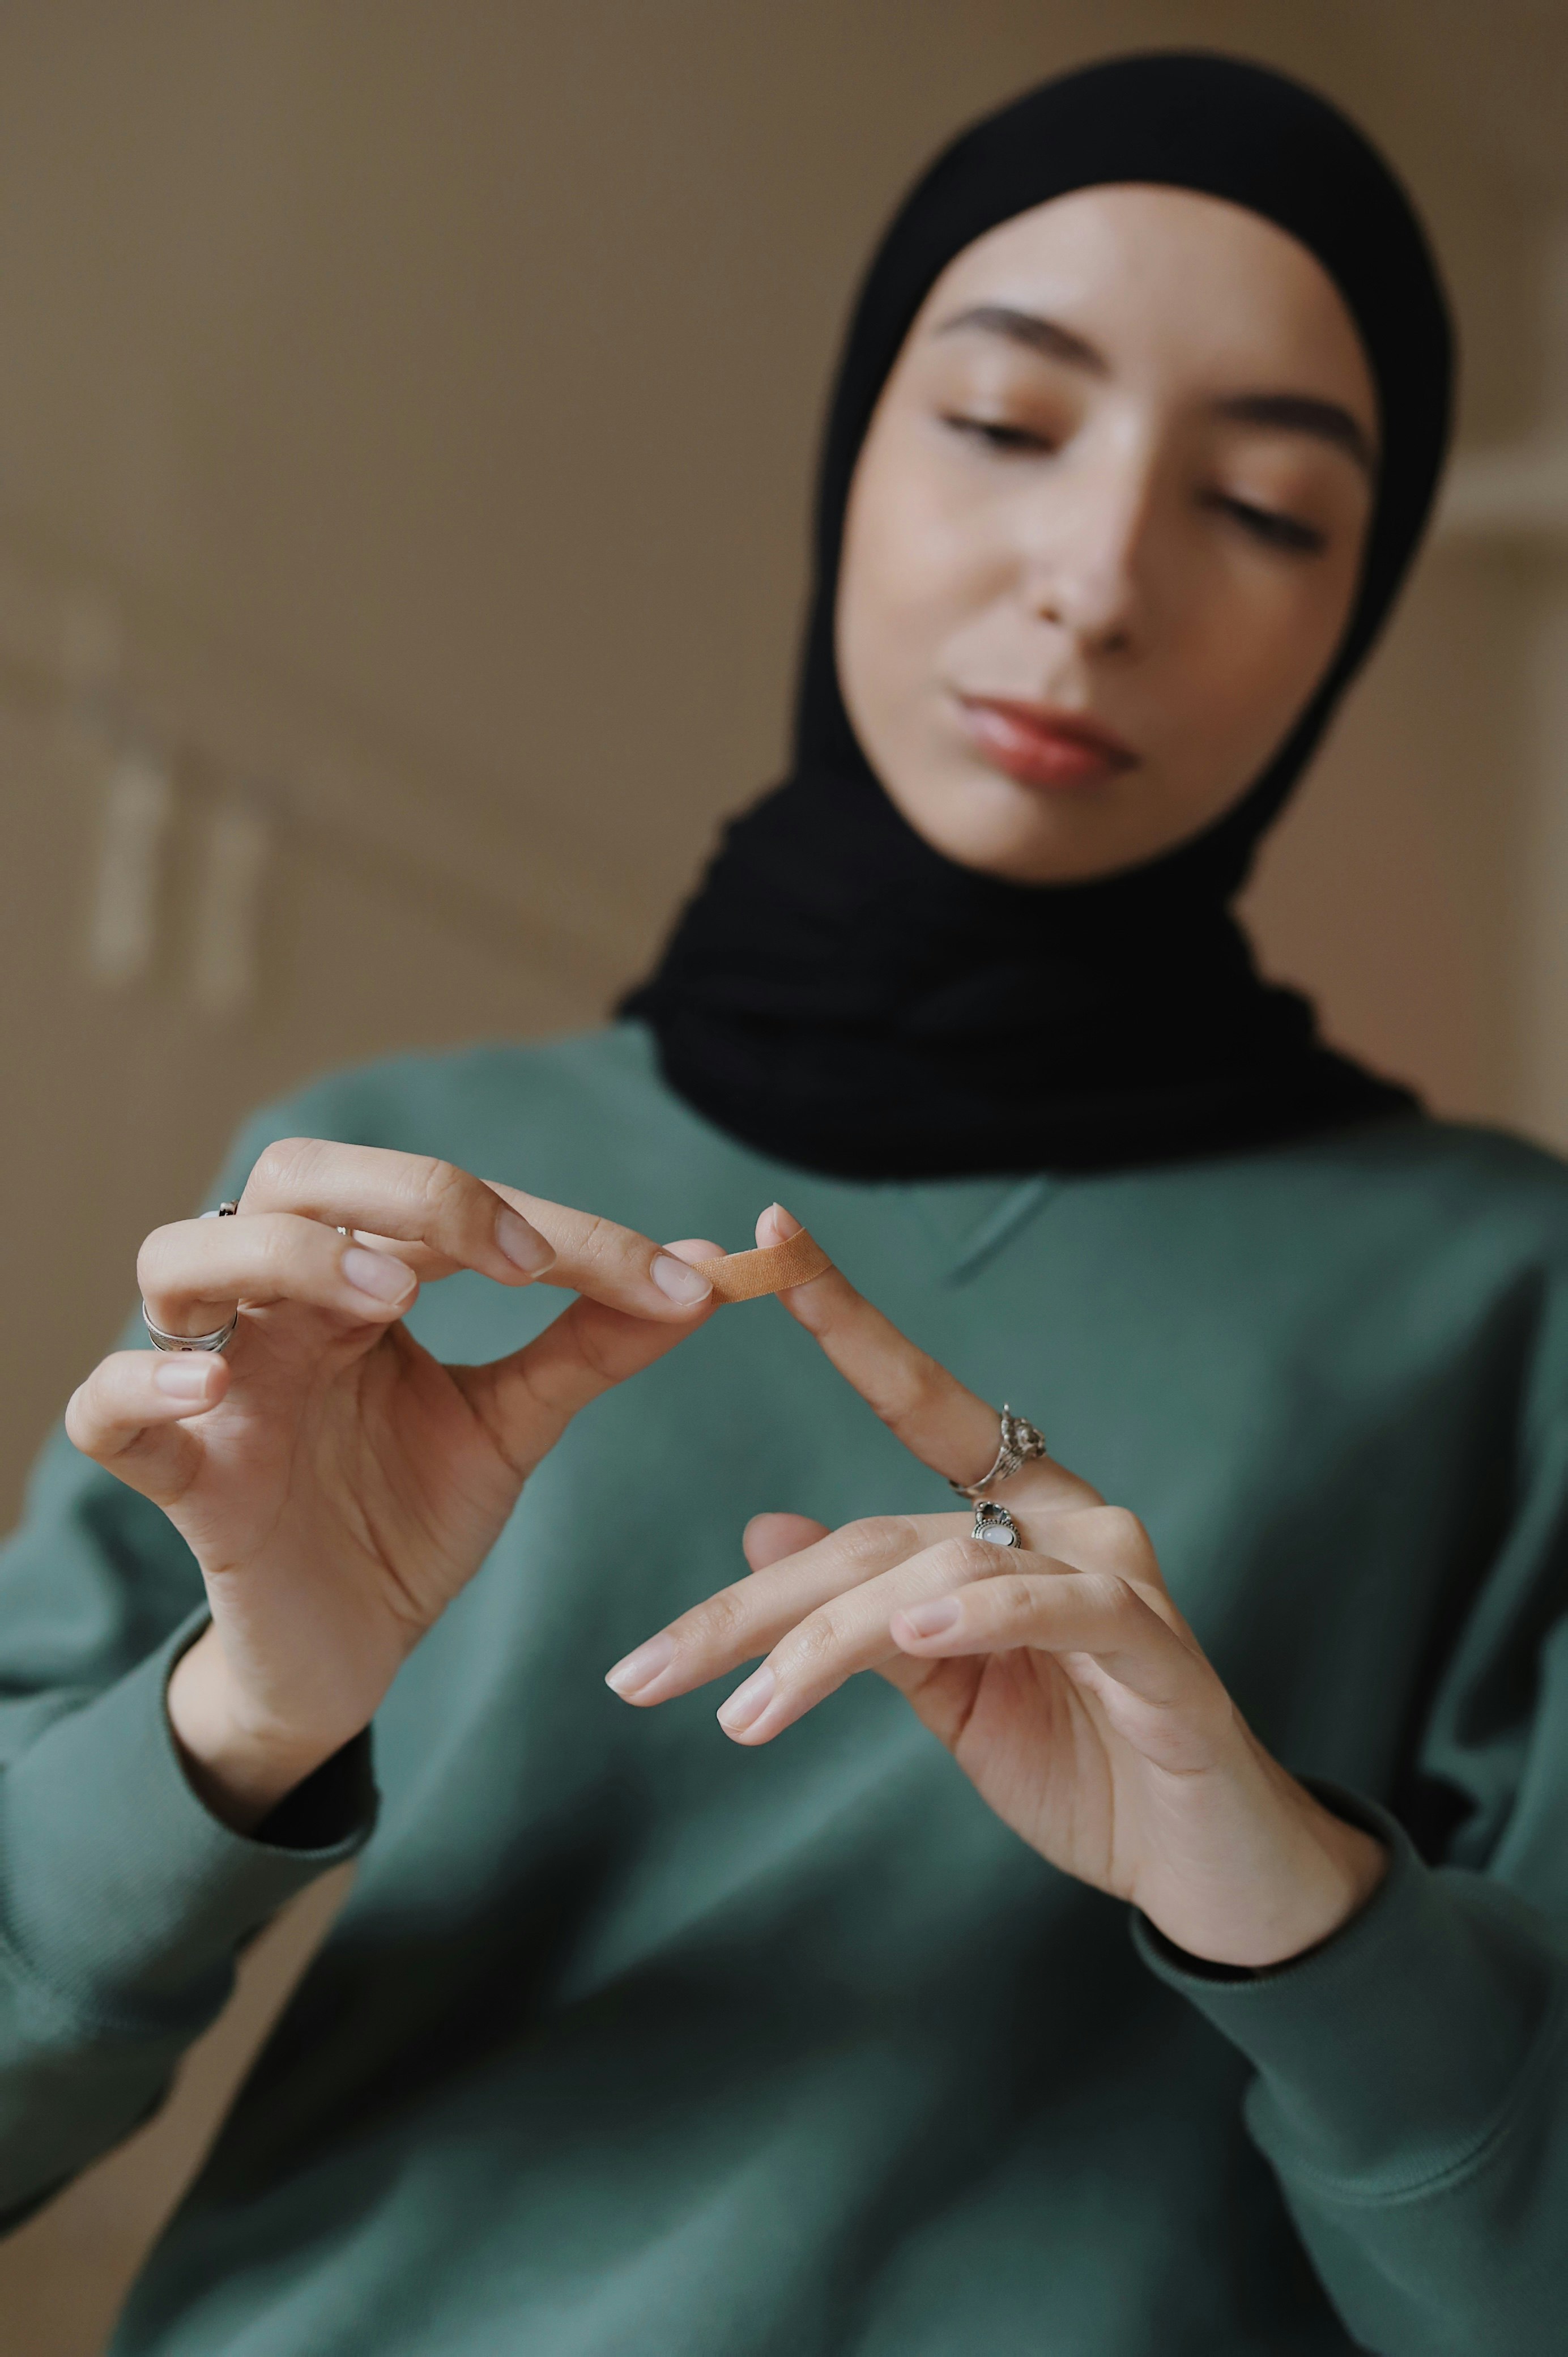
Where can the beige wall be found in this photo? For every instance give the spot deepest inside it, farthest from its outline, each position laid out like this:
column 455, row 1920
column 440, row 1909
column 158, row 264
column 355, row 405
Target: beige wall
column 422, row 398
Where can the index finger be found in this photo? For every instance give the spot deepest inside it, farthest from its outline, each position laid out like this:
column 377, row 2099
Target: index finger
column 418, row 1200
column 610, row 1264
column 752, row 1614
column 938, row 1420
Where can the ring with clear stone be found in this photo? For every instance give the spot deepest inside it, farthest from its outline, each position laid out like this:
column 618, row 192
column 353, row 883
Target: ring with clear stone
column 995, row 1524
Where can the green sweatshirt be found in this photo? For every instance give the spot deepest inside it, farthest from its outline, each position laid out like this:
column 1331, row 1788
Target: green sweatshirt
column 630, row 2041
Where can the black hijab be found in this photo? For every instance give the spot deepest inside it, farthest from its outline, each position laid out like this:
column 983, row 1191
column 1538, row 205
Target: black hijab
column 839, row 995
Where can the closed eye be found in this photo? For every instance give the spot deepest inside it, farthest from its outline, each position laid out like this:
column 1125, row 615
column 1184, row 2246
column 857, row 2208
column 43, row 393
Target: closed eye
column 997, row 435
column 1274, row 529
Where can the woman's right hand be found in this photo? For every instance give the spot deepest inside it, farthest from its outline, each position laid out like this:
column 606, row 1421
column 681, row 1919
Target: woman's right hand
column 337, row 1485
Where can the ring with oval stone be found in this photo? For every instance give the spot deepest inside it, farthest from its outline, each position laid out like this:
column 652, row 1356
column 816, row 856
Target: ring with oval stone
column 995, row 1524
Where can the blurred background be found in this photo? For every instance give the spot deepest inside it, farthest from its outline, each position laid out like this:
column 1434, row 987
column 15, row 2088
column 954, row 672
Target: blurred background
column 407, row 420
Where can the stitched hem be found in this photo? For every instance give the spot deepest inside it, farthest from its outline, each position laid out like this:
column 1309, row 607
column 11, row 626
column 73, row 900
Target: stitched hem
column 1469, row 2160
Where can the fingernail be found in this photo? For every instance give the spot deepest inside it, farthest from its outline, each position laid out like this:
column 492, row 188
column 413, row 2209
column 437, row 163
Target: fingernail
column 523, row 1245
column 785, row 1222
column 932, row 1619
column 639, row 1669
column 377, row 1274
column 747, row 1703
column 677, row 1280
column 184, row 1377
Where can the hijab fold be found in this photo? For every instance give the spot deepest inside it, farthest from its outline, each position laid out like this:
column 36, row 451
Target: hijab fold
column 839, row 995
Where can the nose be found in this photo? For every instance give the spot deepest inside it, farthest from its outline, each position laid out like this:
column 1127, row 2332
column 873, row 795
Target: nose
column 1084, row 555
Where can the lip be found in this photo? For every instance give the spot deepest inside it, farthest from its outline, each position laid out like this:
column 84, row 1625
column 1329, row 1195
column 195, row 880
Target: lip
column 1040, row 746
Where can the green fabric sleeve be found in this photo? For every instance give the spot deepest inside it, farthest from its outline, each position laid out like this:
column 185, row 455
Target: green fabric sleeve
column 1413, row 2098
column 124, row 1902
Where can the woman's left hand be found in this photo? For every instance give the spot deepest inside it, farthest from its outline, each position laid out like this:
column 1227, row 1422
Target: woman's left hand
column 1059, row 1674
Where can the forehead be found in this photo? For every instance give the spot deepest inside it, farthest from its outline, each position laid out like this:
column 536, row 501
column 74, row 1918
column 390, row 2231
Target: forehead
column 1149, row 273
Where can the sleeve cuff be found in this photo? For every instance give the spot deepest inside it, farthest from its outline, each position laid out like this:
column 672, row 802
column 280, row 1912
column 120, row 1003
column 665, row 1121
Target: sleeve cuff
column 1386, row 2055
column 123, row 1889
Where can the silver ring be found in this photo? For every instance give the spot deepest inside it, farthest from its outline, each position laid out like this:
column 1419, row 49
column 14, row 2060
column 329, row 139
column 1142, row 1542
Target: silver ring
column 1021, row 1440
column 219, row 1341
column 995, row 1524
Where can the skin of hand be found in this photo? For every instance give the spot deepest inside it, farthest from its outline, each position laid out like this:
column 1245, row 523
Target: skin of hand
column 1122, row 467
column 336, row 1484
column 1058, row 1675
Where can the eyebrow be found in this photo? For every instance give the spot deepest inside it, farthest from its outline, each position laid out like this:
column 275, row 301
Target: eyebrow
column 1047, row 336
column 1305, row 413
column 1286, row 413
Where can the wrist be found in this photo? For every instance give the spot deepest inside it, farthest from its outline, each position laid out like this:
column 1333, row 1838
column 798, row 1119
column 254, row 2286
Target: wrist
column 1357, row 1863
column 1325, row 1870
column 239, row 1765
column 1271, row 1874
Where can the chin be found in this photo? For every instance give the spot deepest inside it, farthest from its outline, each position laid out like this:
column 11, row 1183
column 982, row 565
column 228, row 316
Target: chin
column 1000, row 829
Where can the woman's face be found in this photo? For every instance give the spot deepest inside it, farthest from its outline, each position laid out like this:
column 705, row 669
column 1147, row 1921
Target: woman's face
column 1105, row 528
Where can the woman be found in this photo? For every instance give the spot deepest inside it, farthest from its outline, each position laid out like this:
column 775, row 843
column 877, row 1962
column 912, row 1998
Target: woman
column 630, row 2038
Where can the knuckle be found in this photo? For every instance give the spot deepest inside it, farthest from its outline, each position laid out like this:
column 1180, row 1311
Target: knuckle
column 811, row 1646
column 917, row 1390
column 982, row 1560
column 448, row 1191
column 275, row 1247
column 1017, row 1597
column 969, row 1559
column 1110, row 1594
column 715, row 1625
column 873, row 1536
column 921, row 1381
column 1122, row 1534
column 599, row 1240
column 598, row 1352
column 284, row 1165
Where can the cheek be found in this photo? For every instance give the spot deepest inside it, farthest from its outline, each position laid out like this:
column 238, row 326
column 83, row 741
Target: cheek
column 914, row 574
column 1247, row 665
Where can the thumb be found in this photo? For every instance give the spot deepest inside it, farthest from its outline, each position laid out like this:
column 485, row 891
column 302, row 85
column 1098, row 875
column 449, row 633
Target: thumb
column 529, row 1398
